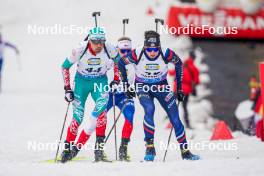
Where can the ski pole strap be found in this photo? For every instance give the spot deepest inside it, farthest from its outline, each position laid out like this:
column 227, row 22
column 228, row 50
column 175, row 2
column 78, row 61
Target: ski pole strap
column 107, row 53
column 84, row 50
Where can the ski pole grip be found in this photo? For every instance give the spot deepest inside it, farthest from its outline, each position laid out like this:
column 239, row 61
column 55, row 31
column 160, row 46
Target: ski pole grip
column 94, row 14
column 125, row 21
column 157, row 20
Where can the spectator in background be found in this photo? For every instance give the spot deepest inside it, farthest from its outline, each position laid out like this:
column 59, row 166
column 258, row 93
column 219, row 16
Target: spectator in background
column 189, row 82
column 255, row 96
column 254, row 87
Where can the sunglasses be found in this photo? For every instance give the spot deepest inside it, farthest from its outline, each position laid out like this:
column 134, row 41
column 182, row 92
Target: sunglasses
column 98, row 41
column 124, row 51
column 152, row 49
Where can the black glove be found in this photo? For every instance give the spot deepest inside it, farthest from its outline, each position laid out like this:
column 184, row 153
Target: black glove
column 113, row 85
column 180, row 96
column 129, row 91
column 69, row 95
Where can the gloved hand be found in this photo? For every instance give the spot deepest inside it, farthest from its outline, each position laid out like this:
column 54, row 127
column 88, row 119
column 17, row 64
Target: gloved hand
column 180, row 95
column 69, row 95
column 129, row 91
column 113, row 85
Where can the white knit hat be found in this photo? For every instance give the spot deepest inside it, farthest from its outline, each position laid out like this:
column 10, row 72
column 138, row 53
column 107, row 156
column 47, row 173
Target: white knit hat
column 124, row 44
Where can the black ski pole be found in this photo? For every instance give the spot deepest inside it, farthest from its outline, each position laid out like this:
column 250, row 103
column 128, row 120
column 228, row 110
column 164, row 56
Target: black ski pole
column 165, row 154
column 157, row 21
column 108, row 135
column 114, row 122
column 94, row 14
column 125, row 21
column 62, row 132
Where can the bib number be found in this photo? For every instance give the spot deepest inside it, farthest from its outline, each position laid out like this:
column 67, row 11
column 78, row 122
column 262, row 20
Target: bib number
column 94, row 70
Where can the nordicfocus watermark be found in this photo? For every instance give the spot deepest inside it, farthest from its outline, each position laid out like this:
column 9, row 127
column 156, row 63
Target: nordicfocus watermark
column 57, row 29
column 52, row 146
column 37, row 146
column 135, row 88
column 190, row 29
column 202, row 145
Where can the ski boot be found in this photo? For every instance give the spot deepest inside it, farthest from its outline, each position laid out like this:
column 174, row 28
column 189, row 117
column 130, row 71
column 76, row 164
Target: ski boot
column 187, row 155
column 75, row 150
column 123, row 156
column 150, row 150
column 99, row 154
column 66, row 154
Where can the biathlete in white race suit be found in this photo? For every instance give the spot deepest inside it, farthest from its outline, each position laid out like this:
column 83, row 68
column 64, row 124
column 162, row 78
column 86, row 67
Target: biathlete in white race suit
column 94, row 58
column 151, row 70
column 4, row 44
column 121, row 101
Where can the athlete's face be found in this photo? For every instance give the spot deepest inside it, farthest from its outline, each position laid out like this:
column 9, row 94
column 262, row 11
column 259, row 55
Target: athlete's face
column 124, row 52
column 152, row 52
column 97, row 46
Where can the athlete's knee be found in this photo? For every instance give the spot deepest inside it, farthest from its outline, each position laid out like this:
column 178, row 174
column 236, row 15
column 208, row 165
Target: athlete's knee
column 129, row 112
column 149, row 109
column 100, row 106
column 91, row 125
column 148, row 105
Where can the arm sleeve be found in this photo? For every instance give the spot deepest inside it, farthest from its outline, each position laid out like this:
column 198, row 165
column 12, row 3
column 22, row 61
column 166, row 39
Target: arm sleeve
column 66, row 73
column 74, row 56
column 126, row 60
column 66, row 78
column 171, row 56
column 68, row 62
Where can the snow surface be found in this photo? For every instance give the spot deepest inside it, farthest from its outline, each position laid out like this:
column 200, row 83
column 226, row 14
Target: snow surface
column 33, row 107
